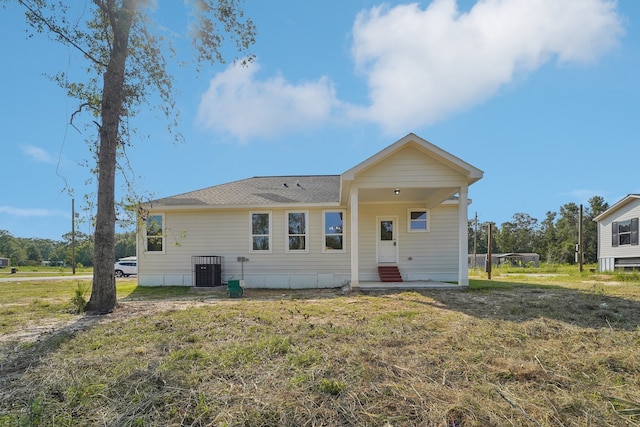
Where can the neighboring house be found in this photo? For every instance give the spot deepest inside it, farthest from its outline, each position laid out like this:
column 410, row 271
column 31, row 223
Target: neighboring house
column 618, row 235
column 404, row 208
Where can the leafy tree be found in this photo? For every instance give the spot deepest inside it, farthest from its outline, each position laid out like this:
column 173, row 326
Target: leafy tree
column 597, row 205
column 84, row 253
column 47, row 248
column 125, row 65
column 7, row 241
column 567, row 230
column 83, row 249
column 11, row 248
column 59, row 254
column 34, row 256
column 125, row 244
column 548, row 247
column 519, row 235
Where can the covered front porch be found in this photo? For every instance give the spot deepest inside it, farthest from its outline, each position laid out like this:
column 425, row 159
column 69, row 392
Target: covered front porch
column 407, row 207
column 425, row 243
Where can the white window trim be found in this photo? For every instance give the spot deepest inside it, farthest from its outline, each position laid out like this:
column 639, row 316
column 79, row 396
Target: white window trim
column 306, row 234
column 163, row 235
column 258, row 251
column 428, row 225
column 344, row 232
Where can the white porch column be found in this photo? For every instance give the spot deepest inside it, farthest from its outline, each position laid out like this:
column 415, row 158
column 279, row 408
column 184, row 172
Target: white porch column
column 353, row 197
column 463, row 237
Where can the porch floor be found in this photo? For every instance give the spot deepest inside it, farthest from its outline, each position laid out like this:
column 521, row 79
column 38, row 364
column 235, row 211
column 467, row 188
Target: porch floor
column 408, row 285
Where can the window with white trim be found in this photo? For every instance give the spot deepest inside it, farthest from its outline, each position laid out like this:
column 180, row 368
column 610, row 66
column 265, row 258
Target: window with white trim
column 297, row 231
column 417, row 220
column 154, row 233
column 261, row 231
column 333, row 226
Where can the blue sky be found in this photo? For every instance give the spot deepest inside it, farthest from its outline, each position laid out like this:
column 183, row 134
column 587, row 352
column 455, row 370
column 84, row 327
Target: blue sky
column 543, row 96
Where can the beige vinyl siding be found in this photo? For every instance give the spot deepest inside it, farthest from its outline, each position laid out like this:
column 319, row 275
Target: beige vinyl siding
column 434, row 254
column 409, row 167
column 605, row 248
column 227, row 233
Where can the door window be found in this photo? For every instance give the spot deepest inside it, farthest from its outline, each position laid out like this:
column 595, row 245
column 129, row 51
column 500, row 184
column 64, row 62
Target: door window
column 386, row 230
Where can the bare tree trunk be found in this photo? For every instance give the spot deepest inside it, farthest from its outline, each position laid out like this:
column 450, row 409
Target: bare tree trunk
column 103, row 292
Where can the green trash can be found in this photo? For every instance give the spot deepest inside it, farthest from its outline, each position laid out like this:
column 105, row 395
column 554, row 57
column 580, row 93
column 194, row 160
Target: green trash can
column 234, row 290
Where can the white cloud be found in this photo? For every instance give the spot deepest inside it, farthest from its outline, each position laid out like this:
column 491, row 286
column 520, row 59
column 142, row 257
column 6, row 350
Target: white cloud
column 31, row 212
column 238, row 103
column 38, row 154
column 420, row 65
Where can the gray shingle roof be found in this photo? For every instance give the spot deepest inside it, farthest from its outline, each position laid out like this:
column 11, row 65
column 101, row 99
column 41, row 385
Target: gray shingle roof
column 261, row 191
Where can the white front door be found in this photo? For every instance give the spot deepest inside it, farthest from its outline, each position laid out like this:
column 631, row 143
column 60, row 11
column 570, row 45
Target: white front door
column 387, row 240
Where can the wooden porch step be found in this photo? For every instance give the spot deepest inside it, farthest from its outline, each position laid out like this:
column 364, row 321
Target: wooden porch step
column 389, row 273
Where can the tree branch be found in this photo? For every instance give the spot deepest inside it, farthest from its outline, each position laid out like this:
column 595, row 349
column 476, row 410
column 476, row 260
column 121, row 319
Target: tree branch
column 79, row 110
column 56, row 30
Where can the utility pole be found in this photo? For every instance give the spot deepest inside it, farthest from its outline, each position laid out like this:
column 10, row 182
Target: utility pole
column 73, row 236
column 580, row 255
column 475, row 239
column 489, row 252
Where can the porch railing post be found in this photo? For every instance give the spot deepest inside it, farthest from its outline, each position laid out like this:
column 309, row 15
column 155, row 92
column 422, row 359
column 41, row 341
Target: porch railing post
column 354, row 237
column 463, row 235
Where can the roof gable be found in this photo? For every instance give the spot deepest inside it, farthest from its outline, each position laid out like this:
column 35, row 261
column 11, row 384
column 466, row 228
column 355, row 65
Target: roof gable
column 630, row 198
column 472, row 173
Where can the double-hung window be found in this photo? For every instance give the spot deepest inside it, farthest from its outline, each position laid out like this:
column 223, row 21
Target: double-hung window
column 624, row 232
column 297, row 231
column 333, row 224
column 154, row 235
column 417, row 220
column 261, row 231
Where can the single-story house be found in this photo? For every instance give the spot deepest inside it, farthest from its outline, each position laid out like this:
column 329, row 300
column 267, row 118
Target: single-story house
column 618, row 235
column 400, row 215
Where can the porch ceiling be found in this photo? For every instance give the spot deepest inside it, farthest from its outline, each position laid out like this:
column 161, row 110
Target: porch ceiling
column 423, row 196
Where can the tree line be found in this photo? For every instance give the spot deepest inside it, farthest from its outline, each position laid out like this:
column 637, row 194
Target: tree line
column 35, row 252
column 554, row 238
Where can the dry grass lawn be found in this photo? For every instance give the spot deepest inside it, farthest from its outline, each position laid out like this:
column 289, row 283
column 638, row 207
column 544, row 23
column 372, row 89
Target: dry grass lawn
column 511, row 352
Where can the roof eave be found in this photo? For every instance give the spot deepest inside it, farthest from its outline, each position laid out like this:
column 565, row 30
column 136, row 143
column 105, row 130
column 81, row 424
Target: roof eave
column 616, row 206
column 240, row 207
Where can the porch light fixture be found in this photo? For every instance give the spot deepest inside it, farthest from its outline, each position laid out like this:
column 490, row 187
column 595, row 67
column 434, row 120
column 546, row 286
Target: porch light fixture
column 396, row 191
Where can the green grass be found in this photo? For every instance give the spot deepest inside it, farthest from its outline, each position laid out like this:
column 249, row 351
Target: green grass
column 34, row 303
column 510, row 351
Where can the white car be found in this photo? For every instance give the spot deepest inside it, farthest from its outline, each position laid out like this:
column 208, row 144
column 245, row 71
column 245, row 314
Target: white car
column 125, row 267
